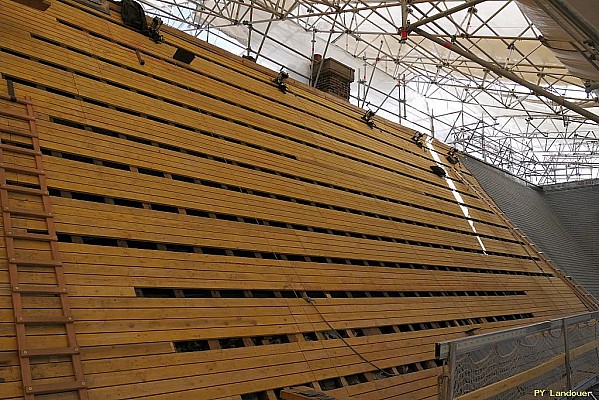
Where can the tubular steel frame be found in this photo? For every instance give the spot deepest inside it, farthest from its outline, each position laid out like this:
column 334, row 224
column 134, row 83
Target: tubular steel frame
column 495, row 119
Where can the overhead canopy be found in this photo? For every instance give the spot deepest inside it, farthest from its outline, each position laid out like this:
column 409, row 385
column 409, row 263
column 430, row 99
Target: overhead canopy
column 563, row 25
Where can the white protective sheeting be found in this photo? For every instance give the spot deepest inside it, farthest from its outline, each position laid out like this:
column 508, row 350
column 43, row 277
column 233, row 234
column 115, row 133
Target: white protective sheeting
column 559, row 33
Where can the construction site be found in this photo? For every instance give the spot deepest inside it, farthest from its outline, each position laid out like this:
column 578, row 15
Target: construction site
column 294, row 200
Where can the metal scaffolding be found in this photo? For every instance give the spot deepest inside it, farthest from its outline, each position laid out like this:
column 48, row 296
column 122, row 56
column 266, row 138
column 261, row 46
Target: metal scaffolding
column 475, row 74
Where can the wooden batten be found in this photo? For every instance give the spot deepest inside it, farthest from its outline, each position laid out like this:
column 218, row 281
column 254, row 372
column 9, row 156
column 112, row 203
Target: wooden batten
column 41, row 5
column 220, row 239
column 305, row 393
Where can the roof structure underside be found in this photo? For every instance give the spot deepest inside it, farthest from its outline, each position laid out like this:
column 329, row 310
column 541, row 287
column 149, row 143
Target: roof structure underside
column 407, row 76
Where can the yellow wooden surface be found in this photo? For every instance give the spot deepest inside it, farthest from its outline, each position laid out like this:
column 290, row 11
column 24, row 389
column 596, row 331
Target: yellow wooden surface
column 147, row 70
column 310, row 158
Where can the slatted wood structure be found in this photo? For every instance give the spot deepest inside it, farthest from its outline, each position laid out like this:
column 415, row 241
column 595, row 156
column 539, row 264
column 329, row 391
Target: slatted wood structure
column 223, row 240
column 32, row 251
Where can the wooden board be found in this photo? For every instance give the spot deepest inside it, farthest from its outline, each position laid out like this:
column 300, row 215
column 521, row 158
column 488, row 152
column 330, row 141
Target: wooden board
column 198, row 204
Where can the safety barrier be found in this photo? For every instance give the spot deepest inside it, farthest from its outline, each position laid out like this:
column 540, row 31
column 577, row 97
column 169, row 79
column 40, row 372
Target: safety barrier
column 553, row 359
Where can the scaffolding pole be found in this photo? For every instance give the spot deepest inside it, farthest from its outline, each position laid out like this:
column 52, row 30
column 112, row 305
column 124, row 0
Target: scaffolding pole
column 509, row 75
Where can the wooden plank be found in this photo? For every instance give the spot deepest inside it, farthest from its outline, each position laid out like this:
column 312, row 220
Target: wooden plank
column 203, row 86
column 74, row 217
column 245, row 205
column 255, row 363
column 414, row 210
column 99, row 174
column 408, row 385
column 319, row 360
column 306, row 393
column 69, row 140
column 127, row 341
column 233, row 65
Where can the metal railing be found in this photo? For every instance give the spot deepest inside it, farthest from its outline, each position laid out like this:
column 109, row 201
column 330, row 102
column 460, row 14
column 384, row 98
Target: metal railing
column 557, row 357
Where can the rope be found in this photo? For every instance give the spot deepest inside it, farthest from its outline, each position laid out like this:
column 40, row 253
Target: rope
column 310, row 300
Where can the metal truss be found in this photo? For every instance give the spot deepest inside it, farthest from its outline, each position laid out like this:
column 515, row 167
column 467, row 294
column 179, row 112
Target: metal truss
column 425, row 85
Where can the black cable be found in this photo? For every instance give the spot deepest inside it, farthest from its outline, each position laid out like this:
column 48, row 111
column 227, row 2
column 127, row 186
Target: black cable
column 311, row 301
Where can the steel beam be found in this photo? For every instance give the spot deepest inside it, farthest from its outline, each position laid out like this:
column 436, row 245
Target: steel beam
column 443, row 14
column 509, row 75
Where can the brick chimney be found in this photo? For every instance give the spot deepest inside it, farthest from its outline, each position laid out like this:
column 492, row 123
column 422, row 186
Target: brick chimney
column 335, row 78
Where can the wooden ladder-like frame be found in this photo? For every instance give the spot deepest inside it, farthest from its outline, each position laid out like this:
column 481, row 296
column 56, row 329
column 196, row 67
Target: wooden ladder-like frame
column 26, row 201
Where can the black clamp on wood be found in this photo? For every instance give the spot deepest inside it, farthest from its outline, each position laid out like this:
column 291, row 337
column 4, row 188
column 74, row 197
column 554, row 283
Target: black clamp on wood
column 418, row 138
column 280, row 80
column 368, row 117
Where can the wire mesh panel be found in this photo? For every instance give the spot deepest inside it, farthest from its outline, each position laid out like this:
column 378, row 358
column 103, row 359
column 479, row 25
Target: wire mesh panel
column 555, row 356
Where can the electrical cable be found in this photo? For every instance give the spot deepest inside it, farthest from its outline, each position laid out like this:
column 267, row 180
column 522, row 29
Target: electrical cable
column 289, row 283
column 311, row 301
